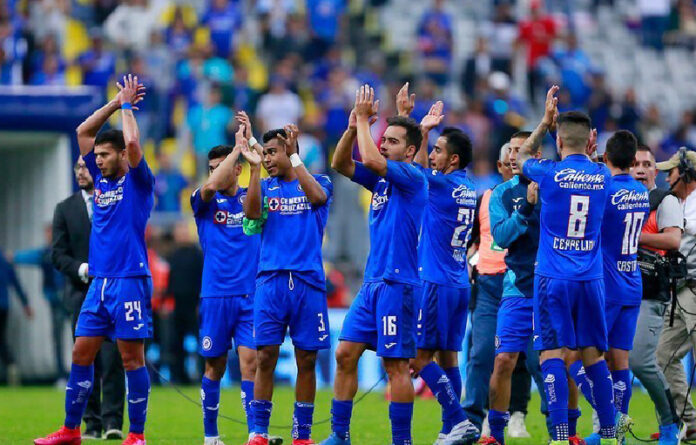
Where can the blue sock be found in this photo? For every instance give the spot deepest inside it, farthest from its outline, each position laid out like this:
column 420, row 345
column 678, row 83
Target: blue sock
column 622, row 389
column 210, row 399
column 455, row 376
column 401, row 415
column 262, row 415
column 573, row 416
column 577, row 372
column 138, row 392
column 498, row 420
column 556, row 388
column 302, row 421
column 247, row 394
column 77, row 393
column 440, row 385
column 603, row 393
column 341, row 410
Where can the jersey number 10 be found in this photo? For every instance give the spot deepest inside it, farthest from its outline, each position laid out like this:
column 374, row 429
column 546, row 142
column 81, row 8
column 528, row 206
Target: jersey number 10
column 633, row 225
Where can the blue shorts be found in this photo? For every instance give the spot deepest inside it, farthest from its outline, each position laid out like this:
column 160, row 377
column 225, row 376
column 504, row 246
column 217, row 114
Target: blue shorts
column 223, row 319
column 383, row 317
column 569, row 314
column 118, row 308
column 284, row 301
column 621, row 324
column 442, row 313
column 515, row 324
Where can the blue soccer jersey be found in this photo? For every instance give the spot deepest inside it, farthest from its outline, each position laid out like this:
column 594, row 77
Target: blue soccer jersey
column 396, row 212
column 447, row 224
column 121, row 209
column 292, row 235
column 573, row 194
column 230, row 257
column 626, row 211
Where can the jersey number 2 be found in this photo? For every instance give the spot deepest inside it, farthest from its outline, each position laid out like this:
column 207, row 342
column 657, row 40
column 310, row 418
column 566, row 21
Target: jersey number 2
column 464, row 216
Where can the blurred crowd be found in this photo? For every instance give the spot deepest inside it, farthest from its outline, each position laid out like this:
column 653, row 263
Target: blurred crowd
column 300, row 61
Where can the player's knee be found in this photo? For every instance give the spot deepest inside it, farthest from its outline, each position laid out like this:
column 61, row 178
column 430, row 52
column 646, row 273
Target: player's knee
column 306, row 361
column 82, row 357
column 132, row 360
column 397, row 368
column 247, row 367
column 215, row 368
column 418, row 363
column 505, row 363
column 265, row 359
column 346, row 360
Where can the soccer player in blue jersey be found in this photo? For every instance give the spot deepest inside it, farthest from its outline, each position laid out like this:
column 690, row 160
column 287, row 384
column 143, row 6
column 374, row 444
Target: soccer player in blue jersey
column 626, row 211
column 382, row 316
column 568, row 282
column 443, row 303
column 117, row 305
column 290, row 284
column 226, row 309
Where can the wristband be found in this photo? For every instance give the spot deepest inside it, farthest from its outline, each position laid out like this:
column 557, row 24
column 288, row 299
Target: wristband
column 295, row 160
column 252, row 141
column 126, row 106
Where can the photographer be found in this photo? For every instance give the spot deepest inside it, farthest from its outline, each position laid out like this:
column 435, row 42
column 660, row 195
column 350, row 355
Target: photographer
column 661, row 233
column 679, row 331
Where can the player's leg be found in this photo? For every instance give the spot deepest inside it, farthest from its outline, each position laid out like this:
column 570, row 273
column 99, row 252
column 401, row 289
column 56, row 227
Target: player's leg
column 246, row 351
column 620, row 344
column 499, row 393
column 401, row 406
column 572, row 357
column 210, row 395
column 137, row 381
column 266, row 360
column 305, row 392
column 358, row 332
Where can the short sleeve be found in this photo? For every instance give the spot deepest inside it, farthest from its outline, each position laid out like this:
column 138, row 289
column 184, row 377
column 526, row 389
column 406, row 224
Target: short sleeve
column 669, row 213
column 142, row 176
column 199, row 206
column 405, row 177
column 91, row 163
column 435, row 178
column 536, row 169
column 327, row 185
column 365, row 177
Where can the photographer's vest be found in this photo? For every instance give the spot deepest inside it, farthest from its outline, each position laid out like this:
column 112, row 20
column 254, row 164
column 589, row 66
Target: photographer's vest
column 654, row 288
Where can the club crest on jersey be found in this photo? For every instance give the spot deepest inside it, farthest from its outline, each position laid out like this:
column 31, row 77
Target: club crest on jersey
column 207, row 343
column 241, row 199
column 273, row 204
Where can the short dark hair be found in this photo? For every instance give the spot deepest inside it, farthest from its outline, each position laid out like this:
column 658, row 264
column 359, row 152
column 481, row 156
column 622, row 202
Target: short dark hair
column 643, row 147
column 458, row 143
column 113, row 137
column 413, row 131
column 574, row 129
column 273, row 134
column 574, row 117
column 621, row 149
column 219, row 151
column 521, row 134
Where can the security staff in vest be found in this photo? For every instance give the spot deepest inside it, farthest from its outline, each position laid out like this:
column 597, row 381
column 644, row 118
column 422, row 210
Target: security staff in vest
column 661, row 233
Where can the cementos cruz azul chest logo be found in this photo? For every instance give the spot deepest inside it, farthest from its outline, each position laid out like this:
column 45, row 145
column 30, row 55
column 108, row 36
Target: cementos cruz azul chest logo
column 570, row 178
column 106, row 198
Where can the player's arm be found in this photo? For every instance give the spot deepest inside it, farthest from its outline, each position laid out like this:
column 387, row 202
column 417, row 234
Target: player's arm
column 365, row 108
column 668, row 239
column 429, row 121
column 506, row 226
column 243, row 119
column 252, row 204
column 87, row 130
column 315, row 193
column 533, row 142
column 128, row 95
column 342, row 160
column 221, row 178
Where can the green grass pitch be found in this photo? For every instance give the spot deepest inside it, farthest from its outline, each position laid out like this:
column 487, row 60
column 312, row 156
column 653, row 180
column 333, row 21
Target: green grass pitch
column 26, row 413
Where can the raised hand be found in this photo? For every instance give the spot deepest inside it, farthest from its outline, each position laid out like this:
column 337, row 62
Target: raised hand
column 592, row 145
column 244, row 120
column 404, row 101
column 131, row 91
column 290, row 139
column 365, row 104
column 533, row 193
column 551, row 106
column 434, row 116
column 240, row 140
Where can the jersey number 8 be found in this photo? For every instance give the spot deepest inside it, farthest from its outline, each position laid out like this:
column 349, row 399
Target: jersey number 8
column 577, row 221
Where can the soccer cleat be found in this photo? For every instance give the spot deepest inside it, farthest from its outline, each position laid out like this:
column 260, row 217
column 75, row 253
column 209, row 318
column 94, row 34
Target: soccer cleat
column 112, row 433
column 333, row 439
column 669, row 434
column 64, row 436
column 576, row 440
column 440, row 439
column 258, row 439
column 593, row 439
column 134, row 439
column 303, row 442
column 623, row 424
column 213, row 441
column 488, row 440
column 463, row 433
column 516, row 426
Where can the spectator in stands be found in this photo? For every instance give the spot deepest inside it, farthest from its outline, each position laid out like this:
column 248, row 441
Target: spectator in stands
column 275, row 23
column 630, row 113
column 209, row 123
column 50, row 73
column 279, row 106
column 435, row 42
column 178, row 35
column 48, row 48
column 169, row 183
column 477, row 68
column 600, row 100
column 654, row 16
column 185, row 272
column 224, row 19
column 500, row 101
column 130, row 24
column 336, row 101
column 8, row 278
column 97, row 64
column 325, row 24
column 52, row 287
column 49, row 18
column 575, row 68
column 501, row 34
column 537, row 34
column 311, row 150
column 13, row 49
